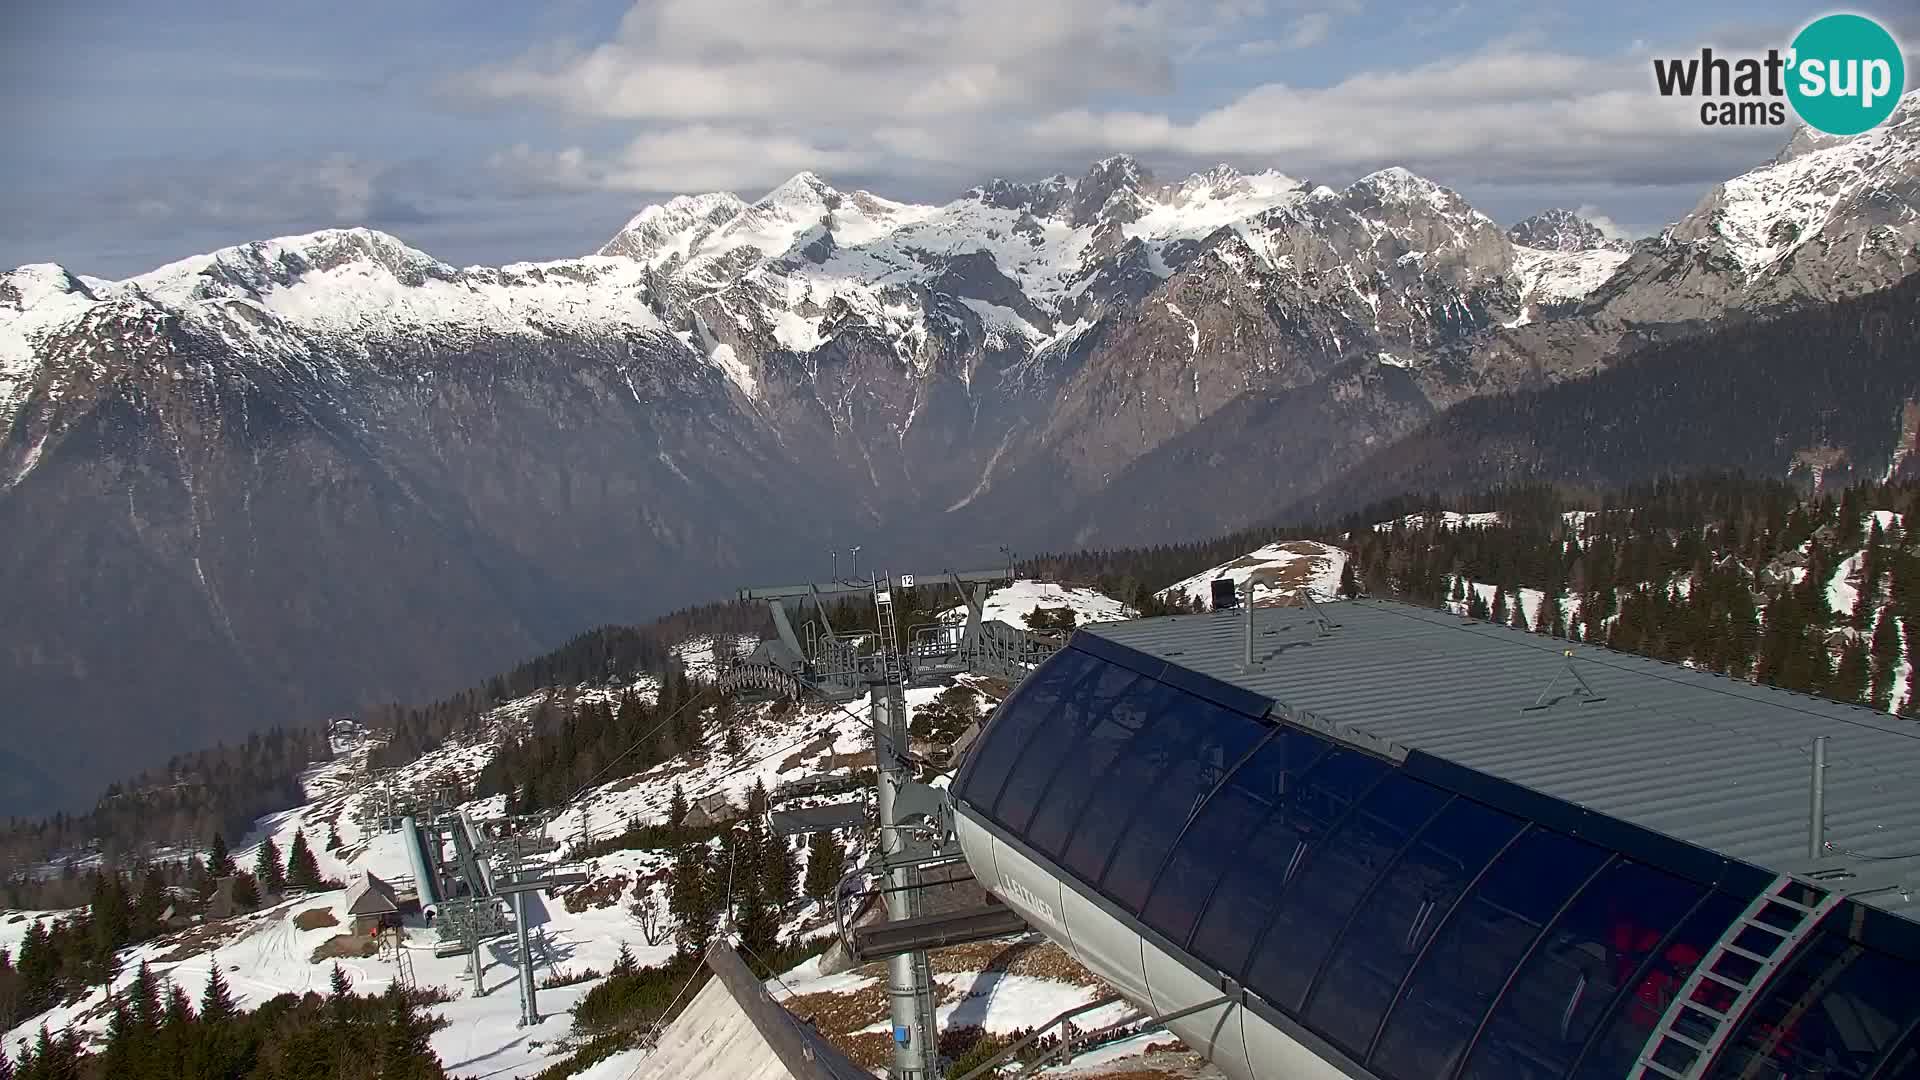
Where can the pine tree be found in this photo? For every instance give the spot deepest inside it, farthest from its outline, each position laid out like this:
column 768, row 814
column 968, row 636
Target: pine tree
column 624, row 963
column 216, row 1001
column 246, row 893
column 780, row 873
column 1476, row 603
column 826, row 863
column 219, row 862
column 1850, row 678
column 340, row 1001
column 1910, row 628
column 1885, row 656
column 752, row 913
column 689, row 899
column 677, row 808
column 45, row 1061
column 266, row 869
column 1553, row 615
column 121, row 1055
column 753, row 916
column 214, row 1048
column 199, row 878
column 152, row 903
column 1349, row 585
column 406, row 1049
column 39, row 968
column 333, row 838
column 175, row 1043
column 690, row 733
column 109, row 926
column 1519, row 612
column 1498, row 613
column 302, row 868
column 144, row 997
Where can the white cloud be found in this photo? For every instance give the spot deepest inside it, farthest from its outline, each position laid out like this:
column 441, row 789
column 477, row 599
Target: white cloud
column 739, row 94
column 696, row 158
column 1305, row 32
column 1310, row 29
column 1609, row 228
column 337, row 187
column 761, row 60
column 1509, row 114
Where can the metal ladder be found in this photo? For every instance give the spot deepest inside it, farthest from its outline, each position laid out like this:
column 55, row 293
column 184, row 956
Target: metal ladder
column 889, row 634
column 1691, row 1033
column 403, row 963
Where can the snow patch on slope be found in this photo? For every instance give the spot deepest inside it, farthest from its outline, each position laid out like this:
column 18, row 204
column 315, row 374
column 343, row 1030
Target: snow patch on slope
column 1451, row 519
column 1012, row 603
column 1768, row 213
column 1282, row 569
column 1561, row 277
column 35, row 300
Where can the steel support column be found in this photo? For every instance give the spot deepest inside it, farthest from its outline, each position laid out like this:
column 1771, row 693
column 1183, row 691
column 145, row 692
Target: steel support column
column 909, row 975
column 529, row 1007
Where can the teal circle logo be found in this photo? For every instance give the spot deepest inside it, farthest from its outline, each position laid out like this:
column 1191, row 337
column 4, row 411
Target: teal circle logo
column 1846, row 75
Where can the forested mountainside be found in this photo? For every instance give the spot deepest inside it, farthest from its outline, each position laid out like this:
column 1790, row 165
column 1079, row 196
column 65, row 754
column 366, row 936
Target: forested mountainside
column 225, row 788
column 1819, row 596
column 1827, row 395
column 192, row 797
column 1749, row 577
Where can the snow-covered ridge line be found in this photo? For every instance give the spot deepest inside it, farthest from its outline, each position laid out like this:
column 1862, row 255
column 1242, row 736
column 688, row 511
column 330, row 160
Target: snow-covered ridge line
column 1765, row 215
column 357, row 280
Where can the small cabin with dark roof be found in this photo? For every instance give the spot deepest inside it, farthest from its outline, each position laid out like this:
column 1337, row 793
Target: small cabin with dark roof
column 371, row 904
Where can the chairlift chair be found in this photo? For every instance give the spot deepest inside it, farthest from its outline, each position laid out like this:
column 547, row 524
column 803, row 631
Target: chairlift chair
column 797, row 820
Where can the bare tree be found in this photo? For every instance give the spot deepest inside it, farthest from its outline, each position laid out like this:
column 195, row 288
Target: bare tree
column 646, row 912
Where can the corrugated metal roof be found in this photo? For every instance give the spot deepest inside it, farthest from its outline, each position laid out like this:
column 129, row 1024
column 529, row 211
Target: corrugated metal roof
column 1712, row 761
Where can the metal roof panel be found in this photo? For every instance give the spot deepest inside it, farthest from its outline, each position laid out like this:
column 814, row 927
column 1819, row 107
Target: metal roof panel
column 1709, row 760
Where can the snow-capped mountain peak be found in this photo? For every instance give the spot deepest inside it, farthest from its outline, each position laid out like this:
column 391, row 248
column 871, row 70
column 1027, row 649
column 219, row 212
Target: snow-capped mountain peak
column 1396, row 180
column 249, row 270
column 803, row 190
column 35, row 285
column 669, row 232
column 1225, row 181
column 1760, row 219
column 1111, row 191
column 1560, row 229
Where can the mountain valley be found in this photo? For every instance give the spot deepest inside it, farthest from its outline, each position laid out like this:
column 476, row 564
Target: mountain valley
column 311, row 473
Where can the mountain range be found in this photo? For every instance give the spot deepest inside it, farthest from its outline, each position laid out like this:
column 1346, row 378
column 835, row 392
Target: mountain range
column 291, row 477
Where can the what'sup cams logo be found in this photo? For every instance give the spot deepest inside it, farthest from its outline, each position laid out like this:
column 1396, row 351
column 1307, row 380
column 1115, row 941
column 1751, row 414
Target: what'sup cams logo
column 1843, row 75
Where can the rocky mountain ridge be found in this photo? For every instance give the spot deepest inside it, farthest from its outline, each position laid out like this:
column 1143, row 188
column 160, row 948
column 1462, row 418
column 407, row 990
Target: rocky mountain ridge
column 316, row 471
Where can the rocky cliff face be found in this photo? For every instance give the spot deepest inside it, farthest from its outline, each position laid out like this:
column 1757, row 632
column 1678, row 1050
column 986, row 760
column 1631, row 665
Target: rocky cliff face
column 1561, row 229
column 287, row 477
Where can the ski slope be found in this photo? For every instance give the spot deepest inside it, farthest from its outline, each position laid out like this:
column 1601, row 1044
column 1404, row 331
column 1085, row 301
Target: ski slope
column 265, row 953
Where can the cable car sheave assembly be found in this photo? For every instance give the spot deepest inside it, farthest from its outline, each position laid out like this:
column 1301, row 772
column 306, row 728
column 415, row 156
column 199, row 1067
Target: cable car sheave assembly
column 915, row 822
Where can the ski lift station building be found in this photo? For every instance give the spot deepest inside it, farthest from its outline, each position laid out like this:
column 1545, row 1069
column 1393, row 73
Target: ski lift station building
column 1373, row 840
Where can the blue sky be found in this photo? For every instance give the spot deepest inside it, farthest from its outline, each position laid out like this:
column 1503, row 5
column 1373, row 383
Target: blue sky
column 142, row 133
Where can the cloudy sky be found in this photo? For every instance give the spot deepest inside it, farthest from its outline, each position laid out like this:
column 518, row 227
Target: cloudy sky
column 486, row 133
